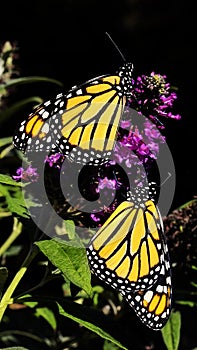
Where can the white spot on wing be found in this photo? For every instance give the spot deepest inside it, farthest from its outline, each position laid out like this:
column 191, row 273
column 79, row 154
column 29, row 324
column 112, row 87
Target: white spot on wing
column 159, row 288
column 45, row 128
column 45, row 115
column 148, row 296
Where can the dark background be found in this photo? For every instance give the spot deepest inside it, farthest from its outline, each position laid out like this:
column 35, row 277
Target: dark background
column 66, row 40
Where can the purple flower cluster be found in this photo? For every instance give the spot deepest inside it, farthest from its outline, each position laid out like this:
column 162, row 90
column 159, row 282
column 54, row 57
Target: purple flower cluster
column 28, row 175
column 137, row 147
column 106, row 183
column 153, row 97
column 55, row 160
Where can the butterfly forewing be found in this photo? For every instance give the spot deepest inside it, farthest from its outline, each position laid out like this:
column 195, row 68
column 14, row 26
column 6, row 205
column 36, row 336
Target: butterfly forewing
column 91, row 120
column 83, row 123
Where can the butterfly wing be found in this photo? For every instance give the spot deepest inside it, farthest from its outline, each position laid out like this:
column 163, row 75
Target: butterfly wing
column 127, row 252
column 83, row 123
column 38, row 132
column 153, row 305
column 91, row 120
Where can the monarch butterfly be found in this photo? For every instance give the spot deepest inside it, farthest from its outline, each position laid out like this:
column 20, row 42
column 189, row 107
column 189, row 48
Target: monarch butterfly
column 130, row 253
column 82, row 123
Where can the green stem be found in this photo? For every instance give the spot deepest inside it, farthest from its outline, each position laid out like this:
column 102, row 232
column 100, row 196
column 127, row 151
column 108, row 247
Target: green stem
column 17, row 228
column 6, row 299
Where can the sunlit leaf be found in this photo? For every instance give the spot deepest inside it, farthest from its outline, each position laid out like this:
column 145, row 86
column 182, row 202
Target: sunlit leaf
column 171, row 331
column 5, row 141
column 44, row 312
column 14, row 198
column 48, row 315
column 5, row 179
column 71, row 259
column 15, row 201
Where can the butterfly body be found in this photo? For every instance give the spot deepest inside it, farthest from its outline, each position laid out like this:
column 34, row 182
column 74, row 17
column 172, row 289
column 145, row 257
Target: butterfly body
column 82, row 124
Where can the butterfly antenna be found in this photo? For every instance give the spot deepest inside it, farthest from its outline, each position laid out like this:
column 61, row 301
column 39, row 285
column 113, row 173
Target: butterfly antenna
column 116, row 46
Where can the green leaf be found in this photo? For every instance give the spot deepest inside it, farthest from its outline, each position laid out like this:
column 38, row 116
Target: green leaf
column 110, row 346
column 87, row 320
column 48, row 315
column 5, row 141
column 3, row 278
column 187, row 303
column 15, row 201
column 194, row 284
column 70, row 259
column 13, row 250
column 171, row 331
column 28, row 80
column 67, row 228
column 70, row 229
column 185, row 205
column 88, row 317
column 31, row 304
column 14, row 196
column 5, row 179
column 97, row 290
column 44, row 312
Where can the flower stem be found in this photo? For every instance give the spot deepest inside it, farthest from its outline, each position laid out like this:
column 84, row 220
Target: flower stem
column 6, row 299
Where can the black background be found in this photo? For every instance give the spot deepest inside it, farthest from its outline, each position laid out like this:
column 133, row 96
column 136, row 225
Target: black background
column 66, row 40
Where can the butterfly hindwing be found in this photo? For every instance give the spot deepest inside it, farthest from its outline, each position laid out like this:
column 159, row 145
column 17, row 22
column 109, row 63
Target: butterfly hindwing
column 41, row 129
column 153, row 305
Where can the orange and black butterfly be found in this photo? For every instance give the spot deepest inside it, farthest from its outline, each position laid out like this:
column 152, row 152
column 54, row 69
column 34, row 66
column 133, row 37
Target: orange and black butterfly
column 129, row 252
column 82, row 124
